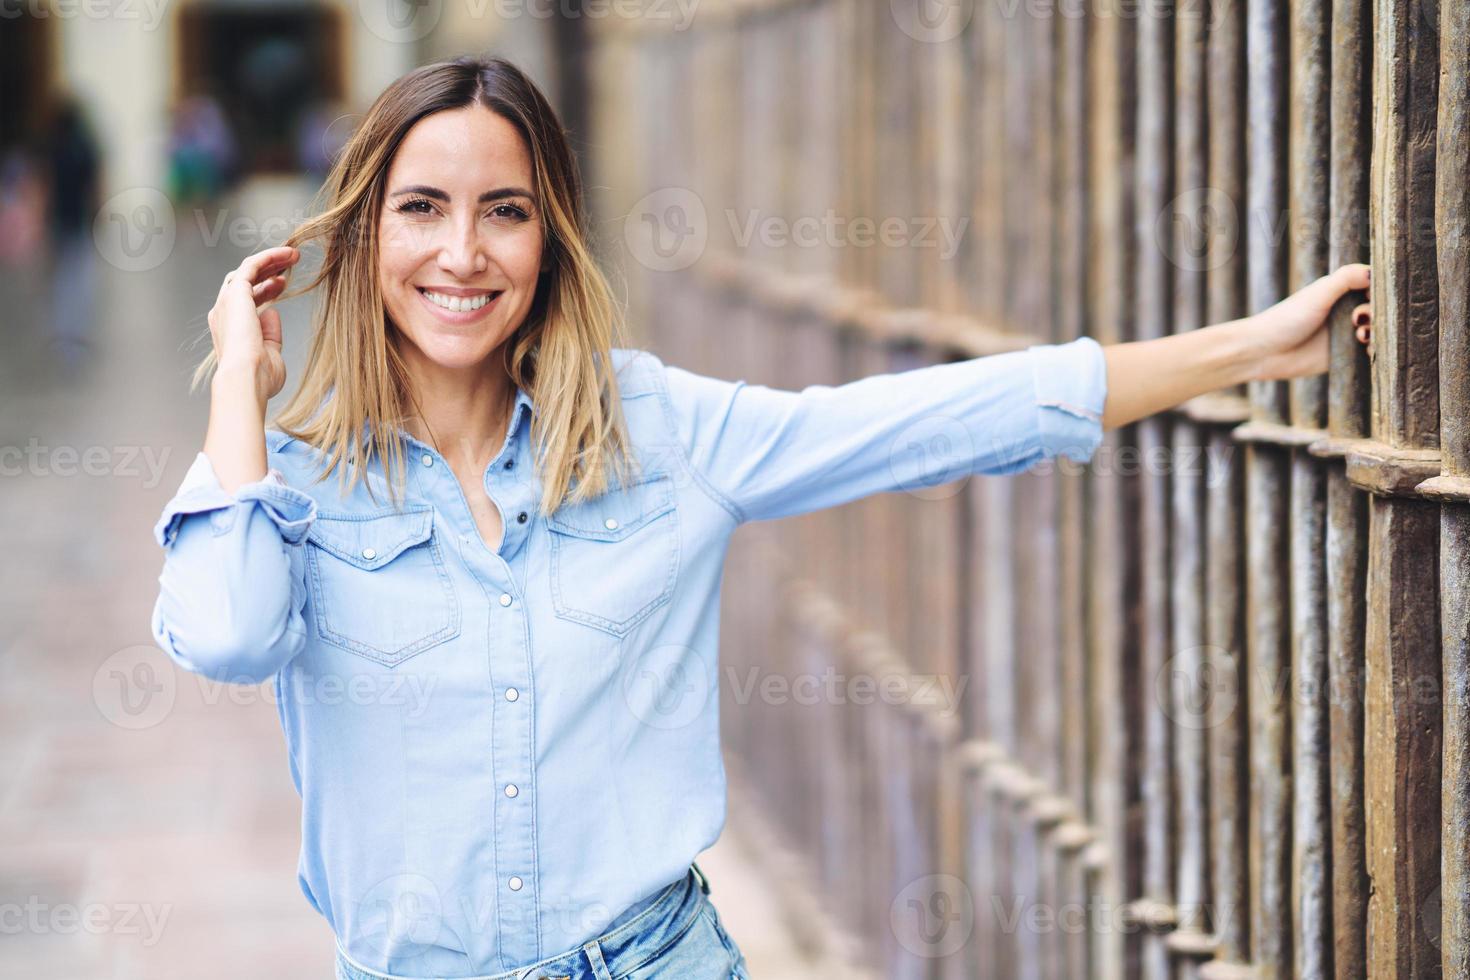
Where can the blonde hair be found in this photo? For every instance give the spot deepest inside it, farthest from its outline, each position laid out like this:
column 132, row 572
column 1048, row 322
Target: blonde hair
column 560, row 354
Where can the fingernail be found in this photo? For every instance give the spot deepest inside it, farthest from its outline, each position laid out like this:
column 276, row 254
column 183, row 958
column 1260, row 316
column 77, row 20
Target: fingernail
column 1360, row 318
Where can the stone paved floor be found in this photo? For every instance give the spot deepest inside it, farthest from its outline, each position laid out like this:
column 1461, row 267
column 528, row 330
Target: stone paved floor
column 148, row 826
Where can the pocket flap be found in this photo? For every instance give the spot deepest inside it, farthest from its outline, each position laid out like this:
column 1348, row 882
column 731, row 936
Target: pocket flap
column 618, row 513
column 372, row 540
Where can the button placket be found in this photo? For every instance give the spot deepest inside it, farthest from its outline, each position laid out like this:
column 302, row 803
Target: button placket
column 512, row 723
column 512, row 761
column 511, row 757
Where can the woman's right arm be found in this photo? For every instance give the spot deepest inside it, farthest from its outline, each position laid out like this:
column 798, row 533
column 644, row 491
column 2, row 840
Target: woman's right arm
column 232, row 591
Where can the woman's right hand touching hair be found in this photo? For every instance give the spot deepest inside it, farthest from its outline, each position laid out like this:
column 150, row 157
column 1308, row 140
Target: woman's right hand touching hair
column 249, row 369
column 247, row 340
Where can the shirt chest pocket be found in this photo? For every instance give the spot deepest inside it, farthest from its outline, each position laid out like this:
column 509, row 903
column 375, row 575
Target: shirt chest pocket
column 615, row 559
column 380, row 585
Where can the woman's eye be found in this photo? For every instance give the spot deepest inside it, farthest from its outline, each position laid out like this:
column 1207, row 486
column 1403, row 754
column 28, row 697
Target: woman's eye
column 412, row 207
column 509, row 211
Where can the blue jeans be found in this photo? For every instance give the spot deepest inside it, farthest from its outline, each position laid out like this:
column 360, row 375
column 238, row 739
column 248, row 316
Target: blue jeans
column 678, row 937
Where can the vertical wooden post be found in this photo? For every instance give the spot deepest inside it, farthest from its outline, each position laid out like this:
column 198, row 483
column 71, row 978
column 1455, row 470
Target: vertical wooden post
column 1452, row 221
column 1155, row 182
column 1402, row 722
column 1311, row 837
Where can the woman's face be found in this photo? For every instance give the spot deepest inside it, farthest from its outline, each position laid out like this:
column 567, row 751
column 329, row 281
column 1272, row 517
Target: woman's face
column 459, row 239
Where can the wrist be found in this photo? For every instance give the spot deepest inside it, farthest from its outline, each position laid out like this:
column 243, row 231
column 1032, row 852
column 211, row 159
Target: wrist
column 237, row 383
column 1242, row 355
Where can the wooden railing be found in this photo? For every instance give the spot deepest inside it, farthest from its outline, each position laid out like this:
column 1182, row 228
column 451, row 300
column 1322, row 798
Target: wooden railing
column 1201, row 708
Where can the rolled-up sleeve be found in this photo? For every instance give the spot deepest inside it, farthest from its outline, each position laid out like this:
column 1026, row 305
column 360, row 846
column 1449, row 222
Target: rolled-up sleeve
column 1071, row 388
column 766, row 453
column 232, row 589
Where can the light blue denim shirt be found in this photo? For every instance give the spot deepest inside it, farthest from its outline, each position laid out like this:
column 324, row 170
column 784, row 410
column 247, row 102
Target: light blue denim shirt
column 501, row 754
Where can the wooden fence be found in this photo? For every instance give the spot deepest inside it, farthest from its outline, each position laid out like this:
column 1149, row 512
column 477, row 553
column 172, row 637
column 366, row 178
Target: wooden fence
column 1198, row 709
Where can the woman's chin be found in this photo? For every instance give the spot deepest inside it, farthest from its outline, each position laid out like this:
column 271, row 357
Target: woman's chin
column 452, row 351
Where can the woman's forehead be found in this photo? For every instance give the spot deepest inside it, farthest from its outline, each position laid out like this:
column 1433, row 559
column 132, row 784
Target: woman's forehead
column 462, row 148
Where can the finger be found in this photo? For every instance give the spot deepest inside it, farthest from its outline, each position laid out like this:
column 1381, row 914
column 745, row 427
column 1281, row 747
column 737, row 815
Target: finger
column 1322, row 293
column 268, row 262
column 1362, row 314
column 270, row 289
column 1354, row 275
column 254, row 279
column 264, row 292
column 1364, row 334
column 270, row 326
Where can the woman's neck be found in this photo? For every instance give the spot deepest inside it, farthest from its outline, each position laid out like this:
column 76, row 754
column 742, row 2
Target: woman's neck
column 464, row 416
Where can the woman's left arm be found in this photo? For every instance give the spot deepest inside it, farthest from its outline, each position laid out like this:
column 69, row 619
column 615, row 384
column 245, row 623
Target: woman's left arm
column 1288, row 340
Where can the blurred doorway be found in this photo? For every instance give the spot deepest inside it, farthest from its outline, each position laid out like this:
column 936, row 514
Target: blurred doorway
column 266, row 67
column 27, row 61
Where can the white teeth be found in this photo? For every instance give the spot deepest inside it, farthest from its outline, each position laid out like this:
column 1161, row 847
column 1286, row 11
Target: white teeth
column 458, row 304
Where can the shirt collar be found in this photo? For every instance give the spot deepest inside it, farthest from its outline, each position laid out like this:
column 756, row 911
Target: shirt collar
column 519, row 412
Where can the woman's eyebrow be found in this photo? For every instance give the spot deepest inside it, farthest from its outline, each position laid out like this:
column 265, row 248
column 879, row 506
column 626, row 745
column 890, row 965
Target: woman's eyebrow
column 438, row 195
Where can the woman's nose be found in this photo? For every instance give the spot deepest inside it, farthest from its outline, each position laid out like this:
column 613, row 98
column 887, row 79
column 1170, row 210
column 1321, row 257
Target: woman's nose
column 462, row 254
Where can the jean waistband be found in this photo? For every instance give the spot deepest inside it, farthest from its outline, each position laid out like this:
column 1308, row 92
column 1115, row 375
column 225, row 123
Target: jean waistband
column 616, row 952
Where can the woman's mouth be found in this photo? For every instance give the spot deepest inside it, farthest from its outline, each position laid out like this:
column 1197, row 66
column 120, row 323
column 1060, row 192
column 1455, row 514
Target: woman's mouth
column 458, row 309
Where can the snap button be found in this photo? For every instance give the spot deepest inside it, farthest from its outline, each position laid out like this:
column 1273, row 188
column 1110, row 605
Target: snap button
column 510, row 463
column 521, row 517
column 515, row 883
column 428, row 460
column 369, row 553
column 611, row 523
column 511, row 790
column 505, row 599
column 511, row 694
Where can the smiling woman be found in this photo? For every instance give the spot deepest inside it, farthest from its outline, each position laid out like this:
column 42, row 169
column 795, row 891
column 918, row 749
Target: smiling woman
column 464, row 325
column 548, row 569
